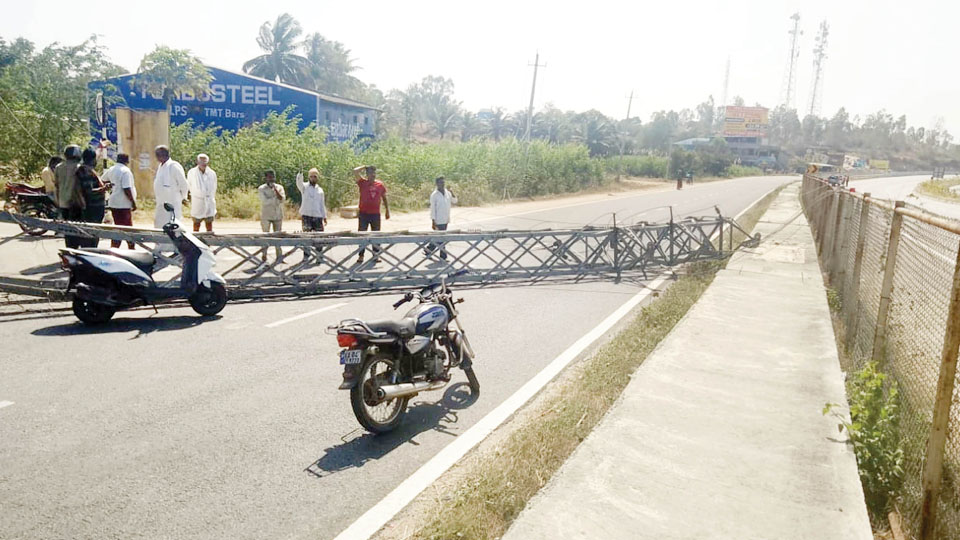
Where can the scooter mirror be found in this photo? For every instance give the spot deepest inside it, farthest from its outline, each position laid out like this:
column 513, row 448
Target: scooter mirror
column 168, row 207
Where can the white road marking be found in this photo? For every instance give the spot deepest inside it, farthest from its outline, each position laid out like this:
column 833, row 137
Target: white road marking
column 382, row 512
column 5, row 404
column 305, row 315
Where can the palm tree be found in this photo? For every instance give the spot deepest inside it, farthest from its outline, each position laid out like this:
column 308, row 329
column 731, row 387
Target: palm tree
column 280, row 61
column 596, row 131
column 329, row 67
column 499, row 124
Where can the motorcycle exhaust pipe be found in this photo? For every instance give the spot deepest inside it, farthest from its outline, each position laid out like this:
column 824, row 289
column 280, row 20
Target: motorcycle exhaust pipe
column 392, row 391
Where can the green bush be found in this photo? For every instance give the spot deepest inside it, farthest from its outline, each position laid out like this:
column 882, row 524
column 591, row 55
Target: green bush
column 477, row 171
column 737, row 171
column 644, row 166
column 874, row 430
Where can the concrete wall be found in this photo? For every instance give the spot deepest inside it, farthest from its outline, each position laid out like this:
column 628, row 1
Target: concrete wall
column 138, row 133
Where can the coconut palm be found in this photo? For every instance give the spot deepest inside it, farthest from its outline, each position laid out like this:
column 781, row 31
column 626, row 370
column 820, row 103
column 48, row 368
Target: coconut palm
column 330, row 67
column 596, row 131
column 280, row 61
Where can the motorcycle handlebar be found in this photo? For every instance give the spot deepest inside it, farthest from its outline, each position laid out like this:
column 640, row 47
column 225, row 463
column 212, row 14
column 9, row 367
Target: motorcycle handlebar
column 406, row 298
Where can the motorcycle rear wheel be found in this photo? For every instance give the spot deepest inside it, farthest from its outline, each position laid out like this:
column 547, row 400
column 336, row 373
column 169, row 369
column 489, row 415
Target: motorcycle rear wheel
column 92, row 313
column 209, row 301
column 367, row 406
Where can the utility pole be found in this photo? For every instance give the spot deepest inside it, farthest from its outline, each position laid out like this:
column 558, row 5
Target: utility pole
column 622, row 142
column 533, row 89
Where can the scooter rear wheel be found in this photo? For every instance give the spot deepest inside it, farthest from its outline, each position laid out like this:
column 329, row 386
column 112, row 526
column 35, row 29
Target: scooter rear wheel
column 209, row 300
column 92, row 312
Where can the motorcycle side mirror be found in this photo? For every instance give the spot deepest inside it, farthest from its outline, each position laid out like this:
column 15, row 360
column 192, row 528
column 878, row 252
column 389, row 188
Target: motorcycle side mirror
column 168, row 207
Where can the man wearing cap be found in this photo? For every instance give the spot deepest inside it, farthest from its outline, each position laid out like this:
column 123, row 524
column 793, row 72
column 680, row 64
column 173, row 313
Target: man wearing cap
column 313, row 211
column 202, row 181
column 169, row 186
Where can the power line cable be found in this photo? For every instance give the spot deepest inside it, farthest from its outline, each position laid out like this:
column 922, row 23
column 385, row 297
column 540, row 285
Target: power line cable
column 24, row 128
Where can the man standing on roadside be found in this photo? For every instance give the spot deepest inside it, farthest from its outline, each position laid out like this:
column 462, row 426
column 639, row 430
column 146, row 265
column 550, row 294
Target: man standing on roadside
column 272, row 196
column 169, row 186
column 49, row 179
column 202, row 181
column 313, row 210
column 372, row 191
column 69, row 197
column 441, row 200
column 123, row 197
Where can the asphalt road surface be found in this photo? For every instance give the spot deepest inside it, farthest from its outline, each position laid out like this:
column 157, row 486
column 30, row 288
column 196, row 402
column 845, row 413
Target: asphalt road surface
column 171, row 426
column 901, row 188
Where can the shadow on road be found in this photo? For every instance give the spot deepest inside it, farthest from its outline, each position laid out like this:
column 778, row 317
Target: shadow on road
column 422, row 416
column 53, row 269
column 141, row 326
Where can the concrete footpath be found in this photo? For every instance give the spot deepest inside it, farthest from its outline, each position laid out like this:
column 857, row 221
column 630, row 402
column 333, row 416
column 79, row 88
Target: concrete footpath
column 720, row 433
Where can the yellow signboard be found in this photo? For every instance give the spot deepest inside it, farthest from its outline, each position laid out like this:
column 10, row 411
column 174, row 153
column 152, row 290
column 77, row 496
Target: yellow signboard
column 745, row 121
column 881, row 164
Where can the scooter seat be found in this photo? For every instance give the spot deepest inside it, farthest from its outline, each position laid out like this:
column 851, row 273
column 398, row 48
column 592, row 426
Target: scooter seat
column 141, row 259
column 404, row 327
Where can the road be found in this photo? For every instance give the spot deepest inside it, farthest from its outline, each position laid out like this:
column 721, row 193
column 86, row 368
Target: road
column 167, row 425
column 901, row 188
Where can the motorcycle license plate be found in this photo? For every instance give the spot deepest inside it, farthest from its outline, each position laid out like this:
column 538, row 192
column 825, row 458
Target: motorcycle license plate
column 351, row 356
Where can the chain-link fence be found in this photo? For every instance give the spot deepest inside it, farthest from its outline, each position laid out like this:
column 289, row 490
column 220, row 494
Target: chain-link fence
column 895, row 272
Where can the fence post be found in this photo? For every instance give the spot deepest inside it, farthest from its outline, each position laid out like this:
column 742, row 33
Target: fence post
column 886, row 290
column 848, row 209
column 830, row 230
column 852, row 314
column 824, row 204
column 933, row 463
column 840, row 229
column 616, row 246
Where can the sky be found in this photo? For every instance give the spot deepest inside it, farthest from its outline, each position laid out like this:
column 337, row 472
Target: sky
column 881, row 54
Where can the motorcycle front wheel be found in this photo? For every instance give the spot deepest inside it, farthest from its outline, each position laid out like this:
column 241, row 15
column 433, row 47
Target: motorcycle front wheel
column 209, row 300
column 92, row 312
column 34, row 212
column 374, row 414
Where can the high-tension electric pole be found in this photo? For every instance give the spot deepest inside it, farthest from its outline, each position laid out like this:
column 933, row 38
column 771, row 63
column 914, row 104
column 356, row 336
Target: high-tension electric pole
column 789, row 92
column 819, row 55
column 533, row 89
column 620, row 134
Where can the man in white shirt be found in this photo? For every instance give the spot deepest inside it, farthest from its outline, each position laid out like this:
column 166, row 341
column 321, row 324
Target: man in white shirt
column 271, row 196
column 169, row 186
column 313, row 210
column 123, row 194
column 441, row 200
column 202, row 181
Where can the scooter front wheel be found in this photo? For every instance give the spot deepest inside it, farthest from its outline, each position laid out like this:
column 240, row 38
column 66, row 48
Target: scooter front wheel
column 92, row 312
column 209, row 300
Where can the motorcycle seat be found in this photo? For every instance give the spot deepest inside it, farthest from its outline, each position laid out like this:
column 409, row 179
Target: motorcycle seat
column 32, row 195
column 405, row 327
column 141, row 259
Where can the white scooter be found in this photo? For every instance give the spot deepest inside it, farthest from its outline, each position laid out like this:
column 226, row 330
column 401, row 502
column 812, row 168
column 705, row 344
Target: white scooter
column 108, row 280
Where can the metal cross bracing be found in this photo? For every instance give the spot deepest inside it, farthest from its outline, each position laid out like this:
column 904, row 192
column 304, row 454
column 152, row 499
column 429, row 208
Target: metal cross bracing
column 270, row 264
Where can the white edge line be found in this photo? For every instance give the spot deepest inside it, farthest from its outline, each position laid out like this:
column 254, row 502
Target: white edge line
column 376, row 517
column 305, row 315
column 5, row 404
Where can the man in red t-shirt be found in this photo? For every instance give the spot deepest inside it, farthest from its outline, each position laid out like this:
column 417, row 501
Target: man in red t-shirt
column 372, row 191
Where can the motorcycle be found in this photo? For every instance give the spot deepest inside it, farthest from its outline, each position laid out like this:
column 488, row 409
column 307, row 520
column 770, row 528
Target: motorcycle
column 111, row 279
column 388, row 362
column 20, row 198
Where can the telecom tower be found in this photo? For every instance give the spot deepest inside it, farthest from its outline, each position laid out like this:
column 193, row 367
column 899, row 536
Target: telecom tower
column 819, row 55
column 726, row 85
column 789, row 92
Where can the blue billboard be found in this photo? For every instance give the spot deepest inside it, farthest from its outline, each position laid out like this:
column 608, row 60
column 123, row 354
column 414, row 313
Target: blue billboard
column 236, row 100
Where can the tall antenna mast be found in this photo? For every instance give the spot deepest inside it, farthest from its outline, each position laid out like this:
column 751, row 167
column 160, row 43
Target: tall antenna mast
column 819, row 55
column 789, row 92
column 726, row 85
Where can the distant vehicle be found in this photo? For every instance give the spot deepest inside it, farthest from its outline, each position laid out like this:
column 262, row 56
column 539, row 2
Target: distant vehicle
column 835, row 180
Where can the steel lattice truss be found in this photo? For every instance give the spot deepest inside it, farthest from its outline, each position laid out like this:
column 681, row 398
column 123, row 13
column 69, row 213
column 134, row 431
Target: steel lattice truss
column 312, row 263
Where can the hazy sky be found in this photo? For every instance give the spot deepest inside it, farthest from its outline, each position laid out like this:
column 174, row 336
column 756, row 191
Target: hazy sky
column 896, row 55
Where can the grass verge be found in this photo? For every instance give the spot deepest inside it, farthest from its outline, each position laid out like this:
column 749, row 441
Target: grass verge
column 940, row 189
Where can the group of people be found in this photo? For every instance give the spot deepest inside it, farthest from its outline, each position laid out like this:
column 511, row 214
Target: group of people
column 82, row 195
